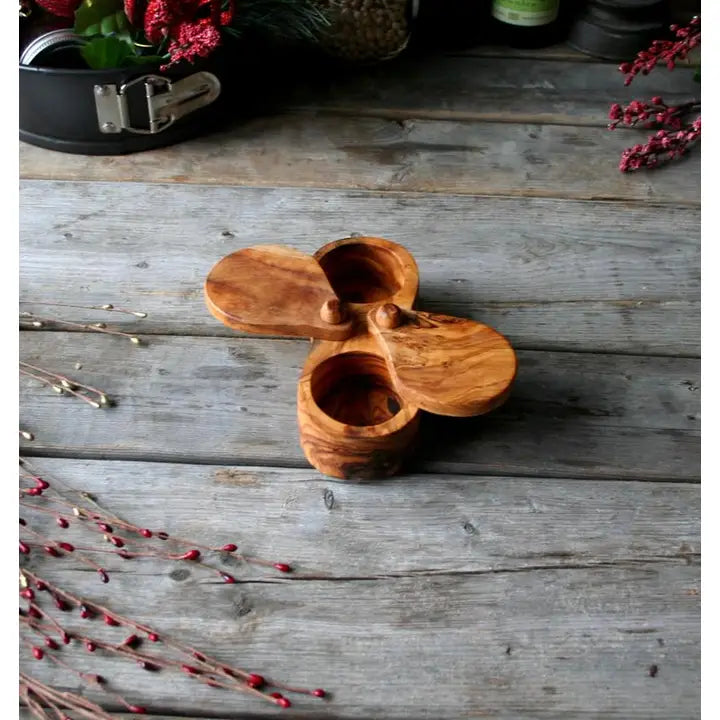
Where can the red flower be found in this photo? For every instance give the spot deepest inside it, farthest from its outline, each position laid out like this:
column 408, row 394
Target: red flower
column 135, row 11
column 192, row 26
column 193, row 40
column 60, row 8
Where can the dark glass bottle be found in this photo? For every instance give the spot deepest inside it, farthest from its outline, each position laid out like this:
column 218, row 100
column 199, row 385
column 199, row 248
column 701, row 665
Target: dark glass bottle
column 527, row 23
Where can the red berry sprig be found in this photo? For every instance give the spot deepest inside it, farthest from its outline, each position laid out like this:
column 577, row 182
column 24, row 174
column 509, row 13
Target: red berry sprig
column 667, row 52
column 189, row 661
column 676, row 134
column 98, row 520
column 128, row 541
column 661, row 147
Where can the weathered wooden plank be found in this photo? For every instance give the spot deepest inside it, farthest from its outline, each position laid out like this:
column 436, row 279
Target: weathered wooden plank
column 26, row 715
column 233, row 400
column 549, row 274
column 487, row 88
column 561, row 51
column 447, row 597
column 327, row 529
column 468, row 158
column 228, row 715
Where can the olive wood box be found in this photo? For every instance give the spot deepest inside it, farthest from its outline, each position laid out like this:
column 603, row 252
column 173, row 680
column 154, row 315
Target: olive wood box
column 374, row 362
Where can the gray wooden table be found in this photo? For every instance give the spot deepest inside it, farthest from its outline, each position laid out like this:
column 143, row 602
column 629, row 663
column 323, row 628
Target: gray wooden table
column 533, row 563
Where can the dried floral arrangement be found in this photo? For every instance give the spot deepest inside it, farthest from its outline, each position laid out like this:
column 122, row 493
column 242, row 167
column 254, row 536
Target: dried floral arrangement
column 48, row 622
column 677, row 126
column 123, row 33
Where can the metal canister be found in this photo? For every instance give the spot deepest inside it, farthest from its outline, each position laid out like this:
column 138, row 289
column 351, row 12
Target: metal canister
column 58, row 48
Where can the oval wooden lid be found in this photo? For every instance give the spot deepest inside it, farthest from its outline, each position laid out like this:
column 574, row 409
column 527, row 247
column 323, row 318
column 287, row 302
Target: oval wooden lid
column 443, row 364
column 275, row 290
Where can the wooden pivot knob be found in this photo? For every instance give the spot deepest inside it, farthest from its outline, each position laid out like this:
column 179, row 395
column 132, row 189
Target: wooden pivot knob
column 332, row 311
column 388, row 316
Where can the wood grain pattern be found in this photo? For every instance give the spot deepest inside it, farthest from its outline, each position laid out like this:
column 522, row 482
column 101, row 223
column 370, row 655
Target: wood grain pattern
column 365, row 270
column 536, row 268
column 560, row 51
column 446, row 365
column 526, row 598
column 443, row 642
column 27, row 715
column 353, row 422
column 273, row 290
column 469, row 86
column 465, row 158
column 232, row 401
column 467, row 524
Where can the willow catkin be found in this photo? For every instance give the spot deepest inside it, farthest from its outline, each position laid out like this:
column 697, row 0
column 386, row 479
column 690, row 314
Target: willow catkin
column 366, row 30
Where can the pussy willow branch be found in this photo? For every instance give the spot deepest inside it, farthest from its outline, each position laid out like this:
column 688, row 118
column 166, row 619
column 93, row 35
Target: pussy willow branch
column 62, row 390
column 107, row 307
column 67, row 383
column 39, row 322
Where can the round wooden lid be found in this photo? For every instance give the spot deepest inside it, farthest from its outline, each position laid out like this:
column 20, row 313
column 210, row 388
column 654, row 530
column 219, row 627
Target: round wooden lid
column 275, row 290
column 443, row 364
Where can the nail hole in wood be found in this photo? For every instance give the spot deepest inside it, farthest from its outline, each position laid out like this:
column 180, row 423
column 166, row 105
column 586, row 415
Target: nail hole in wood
column 329, row 498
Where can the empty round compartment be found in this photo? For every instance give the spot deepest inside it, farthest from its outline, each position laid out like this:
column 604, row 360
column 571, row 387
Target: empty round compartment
column 355, row 389
column 353, row 424
column 369, row 270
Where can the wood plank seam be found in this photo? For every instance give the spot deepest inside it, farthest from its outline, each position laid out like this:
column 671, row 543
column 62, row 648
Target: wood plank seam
column 381, row 190
column 386, row 188
column 688, row 558
column 404, row 195
column 273, row 463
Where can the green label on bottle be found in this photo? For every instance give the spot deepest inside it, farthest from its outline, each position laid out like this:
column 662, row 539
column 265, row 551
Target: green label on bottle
column 528, row 13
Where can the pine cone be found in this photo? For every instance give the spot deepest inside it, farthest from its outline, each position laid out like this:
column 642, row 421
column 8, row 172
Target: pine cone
column 60, row 8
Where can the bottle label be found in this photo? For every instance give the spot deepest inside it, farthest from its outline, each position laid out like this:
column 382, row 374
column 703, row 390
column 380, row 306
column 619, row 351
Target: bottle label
column 528, row 13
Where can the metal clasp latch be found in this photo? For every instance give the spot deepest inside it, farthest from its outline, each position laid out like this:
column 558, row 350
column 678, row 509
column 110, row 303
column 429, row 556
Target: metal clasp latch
column 167, row 101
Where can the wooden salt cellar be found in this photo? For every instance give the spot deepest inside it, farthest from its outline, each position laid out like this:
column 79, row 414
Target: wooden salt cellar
column 375, row 361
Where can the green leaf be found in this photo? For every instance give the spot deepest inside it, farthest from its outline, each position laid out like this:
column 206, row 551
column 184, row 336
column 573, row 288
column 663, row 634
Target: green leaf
column 122, row 23
column 126, row 38
column 95, row 17
column 147, row 59
column 107, row 25
column 102, row 53
column 696, row 76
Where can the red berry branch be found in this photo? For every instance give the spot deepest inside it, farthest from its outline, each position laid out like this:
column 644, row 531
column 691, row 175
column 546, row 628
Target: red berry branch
column 46, row 604
column 677, row 126
column 174, row 655
column 668, row 52
column 144, row 543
